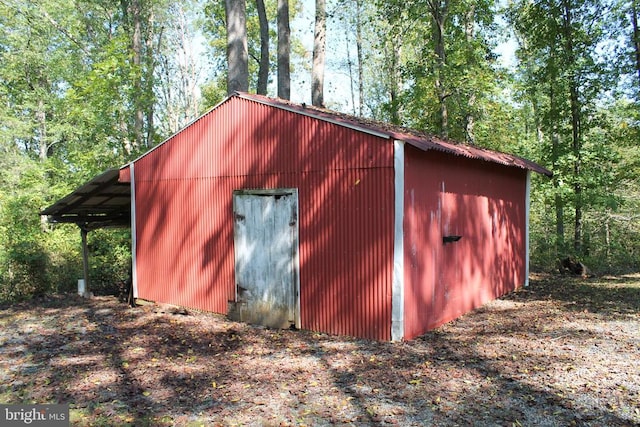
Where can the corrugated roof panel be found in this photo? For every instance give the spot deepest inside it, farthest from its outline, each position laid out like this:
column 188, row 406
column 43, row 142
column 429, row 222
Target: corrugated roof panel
column 103, row 201
column 418, row 139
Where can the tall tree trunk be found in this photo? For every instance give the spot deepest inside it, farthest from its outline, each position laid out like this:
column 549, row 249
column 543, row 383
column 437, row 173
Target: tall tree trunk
column 359, row 53
column 439, row 10
column 558, row 200
column 319, row 41
column 351, row 79
column 41, row 118
column 555, row 157
column 576, row 137
column 136, row 45
column 636, row 37
column 284, row 50
column 470, row 117
column 263, row 70
column 395, row 85
column 237, row 55
column 150, row 71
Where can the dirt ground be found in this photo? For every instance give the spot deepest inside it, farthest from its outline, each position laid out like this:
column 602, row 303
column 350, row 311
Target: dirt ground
column 561, row 352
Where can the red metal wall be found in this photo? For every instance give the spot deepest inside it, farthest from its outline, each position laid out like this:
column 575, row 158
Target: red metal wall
column 480, row 201
column 183, row 192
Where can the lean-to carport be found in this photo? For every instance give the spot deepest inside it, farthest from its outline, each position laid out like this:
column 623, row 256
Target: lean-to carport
column 102, row 202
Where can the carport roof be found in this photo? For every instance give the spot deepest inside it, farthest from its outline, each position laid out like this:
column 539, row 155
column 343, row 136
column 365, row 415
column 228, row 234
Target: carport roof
column 102, row 202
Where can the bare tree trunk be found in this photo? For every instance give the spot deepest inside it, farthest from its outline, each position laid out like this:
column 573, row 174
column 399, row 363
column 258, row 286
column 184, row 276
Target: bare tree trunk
column 350, row 65
column 555, row 156
column 41, row 118
column 396, row 82
column 469, row 117
column 136, row 44
column 636, row 36
column 319, row 41
column 559, row 203
column 263, row 70
column 237, row 55
column 576, row 137
column 439, row 10
column 359, row 52
column 150, row 68
column 284, row 50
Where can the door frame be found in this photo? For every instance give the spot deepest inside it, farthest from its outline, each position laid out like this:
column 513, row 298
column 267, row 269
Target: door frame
column 295, row 241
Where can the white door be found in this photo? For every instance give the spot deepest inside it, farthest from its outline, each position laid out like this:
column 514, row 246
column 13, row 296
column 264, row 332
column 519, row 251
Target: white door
column 266, row 246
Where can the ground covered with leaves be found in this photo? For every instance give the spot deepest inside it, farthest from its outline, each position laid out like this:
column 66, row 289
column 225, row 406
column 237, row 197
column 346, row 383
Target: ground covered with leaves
column 561, row 352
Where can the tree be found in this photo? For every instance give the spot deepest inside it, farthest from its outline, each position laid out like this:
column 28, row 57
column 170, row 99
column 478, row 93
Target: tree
column 31, row 73
column 180, row 70
column 635, row 35
column 237, row 55
column 624, row 30
column 559, row 44
column 77, row 85
column 439, row 10
column 319, row 41
column 263, row 71
column 284, row 50
column 143, row 32
column 261, row 45
column 439, row 67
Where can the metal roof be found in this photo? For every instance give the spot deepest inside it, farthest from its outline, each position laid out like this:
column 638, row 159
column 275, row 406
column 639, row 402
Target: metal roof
column 104, row 201
column 412, row 137
column 101, row 202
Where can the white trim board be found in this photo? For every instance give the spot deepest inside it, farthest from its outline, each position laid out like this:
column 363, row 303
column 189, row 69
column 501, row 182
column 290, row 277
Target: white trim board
column 397, row 291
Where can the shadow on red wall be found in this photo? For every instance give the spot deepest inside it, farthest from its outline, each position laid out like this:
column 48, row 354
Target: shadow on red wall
column 184, row 192
column 481, row 203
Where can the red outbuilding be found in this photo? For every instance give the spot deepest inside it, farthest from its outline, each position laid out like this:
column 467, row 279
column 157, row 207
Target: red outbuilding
column 288, row 215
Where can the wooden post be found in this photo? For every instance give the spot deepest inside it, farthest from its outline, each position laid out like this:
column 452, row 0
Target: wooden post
column 85, row 260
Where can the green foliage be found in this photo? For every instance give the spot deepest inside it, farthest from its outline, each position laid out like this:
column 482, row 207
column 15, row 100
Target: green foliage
column 110, row 260
column 564, row 78
column 31, row 259
column 214, row 92
column 439, row 73
column 215, row 30
column 75, row 100
column 36, row 258
column 68, row 102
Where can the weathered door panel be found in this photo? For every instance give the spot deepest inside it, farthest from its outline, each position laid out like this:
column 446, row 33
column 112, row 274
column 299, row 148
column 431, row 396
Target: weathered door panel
column 265, row 242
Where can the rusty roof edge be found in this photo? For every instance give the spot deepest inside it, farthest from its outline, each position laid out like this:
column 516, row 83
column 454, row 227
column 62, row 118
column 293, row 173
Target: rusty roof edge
column 417, row 139
column 316, row 113
column 473, row 152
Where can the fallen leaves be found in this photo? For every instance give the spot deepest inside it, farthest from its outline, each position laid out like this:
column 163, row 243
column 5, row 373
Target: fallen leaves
column 534, row 357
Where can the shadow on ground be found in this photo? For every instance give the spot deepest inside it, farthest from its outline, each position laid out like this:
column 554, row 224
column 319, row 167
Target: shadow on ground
column 558, row 353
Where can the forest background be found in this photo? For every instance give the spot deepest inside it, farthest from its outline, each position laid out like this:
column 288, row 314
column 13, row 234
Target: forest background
column 86, row 85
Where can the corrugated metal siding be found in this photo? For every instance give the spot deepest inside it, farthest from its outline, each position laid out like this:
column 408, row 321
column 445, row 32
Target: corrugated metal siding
column 346, row 254
column 345, row 182
column 483, row 203
column 179, row 243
